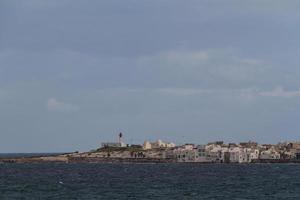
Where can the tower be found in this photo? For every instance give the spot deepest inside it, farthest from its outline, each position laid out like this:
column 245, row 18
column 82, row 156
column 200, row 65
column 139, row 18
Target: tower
column 120, row 138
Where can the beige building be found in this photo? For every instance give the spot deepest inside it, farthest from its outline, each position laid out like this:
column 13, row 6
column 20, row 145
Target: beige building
column 158, row 144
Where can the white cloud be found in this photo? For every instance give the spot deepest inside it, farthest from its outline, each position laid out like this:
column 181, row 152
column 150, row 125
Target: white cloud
column 54, row 105
column 179, row 56
column 175, row 58
column 218, row 73
column 182, row 91
column 280, row 92
column 213, row 68
column 242, row 93
column 247, row 93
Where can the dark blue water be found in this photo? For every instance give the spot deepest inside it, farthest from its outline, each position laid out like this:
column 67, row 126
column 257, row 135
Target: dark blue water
column 26, row 155
column 149, row 181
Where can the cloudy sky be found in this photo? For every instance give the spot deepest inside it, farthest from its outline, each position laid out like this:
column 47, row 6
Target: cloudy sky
column 76, row 73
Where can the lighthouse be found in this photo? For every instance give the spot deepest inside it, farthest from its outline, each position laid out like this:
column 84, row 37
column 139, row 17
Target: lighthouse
column 119, row 143
column 120, row 138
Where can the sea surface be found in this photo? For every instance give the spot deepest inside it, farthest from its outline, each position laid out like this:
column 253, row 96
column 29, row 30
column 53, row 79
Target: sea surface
column 26, row 155
column 149, row 181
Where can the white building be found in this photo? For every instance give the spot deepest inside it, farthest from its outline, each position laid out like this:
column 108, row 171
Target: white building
column 119, row 143
column 157, row 144
column 270, row 154
column 146, row 145
column 232, row 154
column 253, row 155
column 237, row 155
column 113, row 144
column 201, row 154
column 216, row 153
column 190, row 153
column 243, row 155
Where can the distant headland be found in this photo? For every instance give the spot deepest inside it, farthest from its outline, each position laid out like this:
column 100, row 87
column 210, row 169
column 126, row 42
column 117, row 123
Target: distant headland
column 168, row 152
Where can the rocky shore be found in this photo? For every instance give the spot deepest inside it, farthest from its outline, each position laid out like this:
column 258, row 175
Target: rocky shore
column 140, row 155
column 90, row 159
column 104, row 155
column 65, row 159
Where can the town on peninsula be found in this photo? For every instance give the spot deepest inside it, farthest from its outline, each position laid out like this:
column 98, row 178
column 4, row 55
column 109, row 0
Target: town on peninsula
column 168, row 152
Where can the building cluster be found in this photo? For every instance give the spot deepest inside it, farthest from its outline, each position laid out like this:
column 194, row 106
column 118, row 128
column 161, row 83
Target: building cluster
column 215, row 152
column 219, row 152
column 248, row 152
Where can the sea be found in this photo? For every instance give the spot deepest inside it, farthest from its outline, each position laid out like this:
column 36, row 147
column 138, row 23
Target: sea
column 149, row 181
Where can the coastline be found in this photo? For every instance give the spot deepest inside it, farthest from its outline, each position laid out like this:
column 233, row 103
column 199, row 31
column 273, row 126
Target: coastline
column 69, row 159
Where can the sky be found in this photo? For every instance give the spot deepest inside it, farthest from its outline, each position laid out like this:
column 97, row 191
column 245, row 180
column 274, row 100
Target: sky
column 75, row 73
